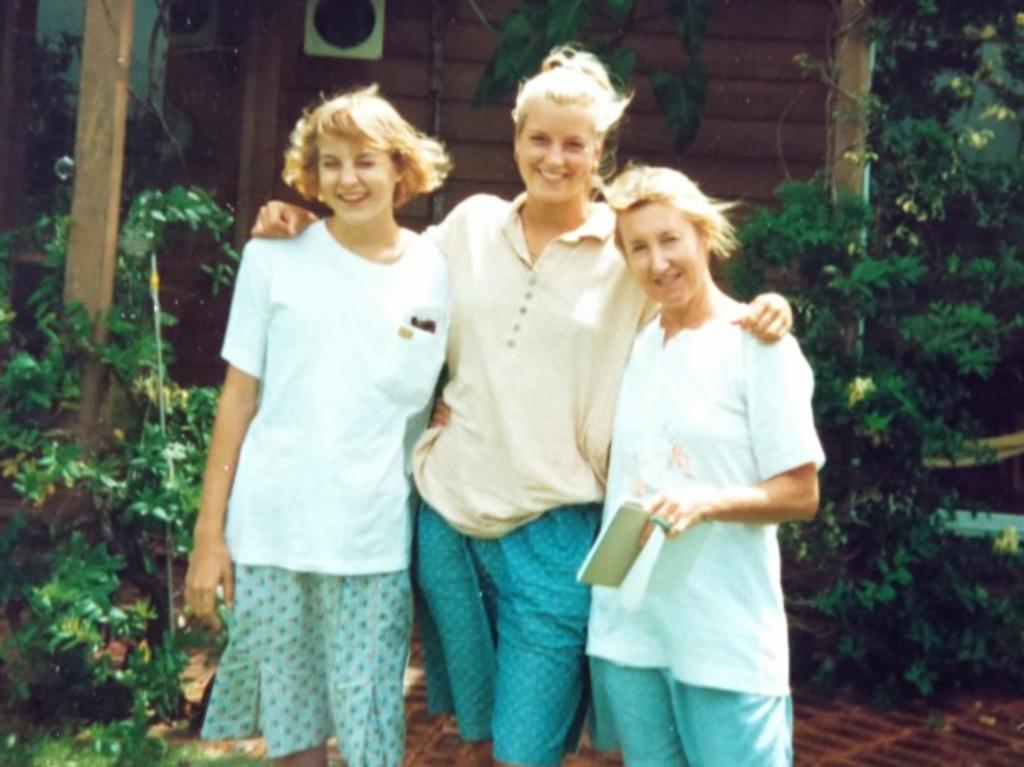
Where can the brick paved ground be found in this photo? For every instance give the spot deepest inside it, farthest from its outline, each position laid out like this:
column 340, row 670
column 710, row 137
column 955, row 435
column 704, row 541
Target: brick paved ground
column 962, row 731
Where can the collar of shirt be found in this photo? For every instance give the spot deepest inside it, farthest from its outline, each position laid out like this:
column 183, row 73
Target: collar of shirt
column 599, row 225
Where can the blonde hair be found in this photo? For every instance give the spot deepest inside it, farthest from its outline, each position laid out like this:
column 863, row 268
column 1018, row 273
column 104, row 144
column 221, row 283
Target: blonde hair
column 363, row 115
column 640, row 185
column 571, row 76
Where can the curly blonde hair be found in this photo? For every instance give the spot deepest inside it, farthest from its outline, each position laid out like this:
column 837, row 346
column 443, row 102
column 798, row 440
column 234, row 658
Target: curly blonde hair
column 641, row 184
column 363, row 115
column 569, row 75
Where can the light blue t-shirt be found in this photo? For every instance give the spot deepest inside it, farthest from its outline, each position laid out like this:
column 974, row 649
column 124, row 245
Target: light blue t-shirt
column 713, row 406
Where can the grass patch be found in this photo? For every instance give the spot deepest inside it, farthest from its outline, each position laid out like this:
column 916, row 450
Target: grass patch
column 68, row 750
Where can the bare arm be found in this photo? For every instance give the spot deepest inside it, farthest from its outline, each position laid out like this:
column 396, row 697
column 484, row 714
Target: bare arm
column 789, row 496
column 441, row 416
column 210, row 564
column 279, row 220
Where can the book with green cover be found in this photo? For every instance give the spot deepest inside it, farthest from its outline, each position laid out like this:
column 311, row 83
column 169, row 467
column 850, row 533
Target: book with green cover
column 616, row 549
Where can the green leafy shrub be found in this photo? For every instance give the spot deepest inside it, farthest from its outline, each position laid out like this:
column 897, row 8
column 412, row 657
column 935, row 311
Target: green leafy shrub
column 910, row 312
column 85, row 569
column 533, row 27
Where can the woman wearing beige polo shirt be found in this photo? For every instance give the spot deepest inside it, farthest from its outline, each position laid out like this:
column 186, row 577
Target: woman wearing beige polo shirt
column 513, row 472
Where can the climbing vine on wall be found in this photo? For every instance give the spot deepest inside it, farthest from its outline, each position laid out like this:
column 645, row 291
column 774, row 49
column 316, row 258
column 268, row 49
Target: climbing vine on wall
column 533, row 27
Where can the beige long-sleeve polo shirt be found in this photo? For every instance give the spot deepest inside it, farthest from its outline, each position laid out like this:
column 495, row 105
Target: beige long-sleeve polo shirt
column 535, row 354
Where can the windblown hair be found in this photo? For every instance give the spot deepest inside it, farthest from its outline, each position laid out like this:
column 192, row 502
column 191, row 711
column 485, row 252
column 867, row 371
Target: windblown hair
column 640, row 185
column 572, row 76
column 363, row 115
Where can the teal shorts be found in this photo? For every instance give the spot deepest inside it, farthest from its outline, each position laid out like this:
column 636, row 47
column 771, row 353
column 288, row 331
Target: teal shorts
column 503, row 624
column 310, row 656
column 657, row 721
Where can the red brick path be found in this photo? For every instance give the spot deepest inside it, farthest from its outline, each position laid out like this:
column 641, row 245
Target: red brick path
column 964, row 731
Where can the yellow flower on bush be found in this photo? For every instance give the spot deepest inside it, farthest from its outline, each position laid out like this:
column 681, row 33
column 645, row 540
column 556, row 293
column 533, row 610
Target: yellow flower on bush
column 986, row 32
column 174, row 396
column 979, row 139
column 48, row 491
column 1007, row 542
column 9, row 466
column 858, row 389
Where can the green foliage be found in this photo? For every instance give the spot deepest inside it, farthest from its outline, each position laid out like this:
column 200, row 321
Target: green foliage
column 50, row 125
column 58, row 658
column 910, row 312
column 151, row 157
column 107, row 746
column 534, row 27
column 84, row 580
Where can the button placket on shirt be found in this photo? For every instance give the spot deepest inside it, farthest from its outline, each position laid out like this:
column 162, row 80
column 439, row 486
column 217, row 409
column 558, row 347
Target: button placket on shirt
column 517, row 324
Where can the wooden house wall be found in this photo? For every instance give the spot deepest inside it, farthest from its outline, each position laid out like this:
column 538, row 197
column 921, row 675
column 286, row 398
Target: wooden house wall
column 765, row 121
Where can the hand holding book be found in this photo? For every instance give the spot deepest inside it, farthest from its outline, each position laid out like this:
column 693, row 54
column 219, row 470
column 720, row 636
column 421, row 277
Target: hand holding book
column 628, row 548
column 677, row 512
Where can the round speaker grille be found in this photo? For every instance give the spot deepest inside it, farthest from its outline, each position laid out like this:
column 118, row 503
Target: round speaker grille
column 344, row 23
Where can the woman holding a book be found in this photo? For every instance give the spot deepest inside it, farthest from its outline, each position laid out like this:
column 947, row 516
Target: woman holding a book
column 714, row 436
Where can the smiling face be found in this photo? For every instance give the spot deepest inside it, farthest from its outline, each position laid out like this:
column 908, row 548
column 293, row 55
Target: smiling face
column 356, row 182
column 557, row 151
column 667, row 256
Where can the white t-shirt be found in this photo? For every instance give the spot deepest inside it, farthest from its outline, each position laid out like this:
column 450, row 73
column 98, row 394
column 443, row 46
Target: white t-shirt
column 346, row 378
column 713, row 406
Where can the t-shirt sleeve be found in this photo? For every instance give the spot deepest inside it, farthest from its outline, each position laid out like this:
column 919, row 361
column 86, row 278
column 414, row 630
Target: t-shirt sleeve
column 245, row 341
column 441, row 233
column 452, row 233
column 779, row 387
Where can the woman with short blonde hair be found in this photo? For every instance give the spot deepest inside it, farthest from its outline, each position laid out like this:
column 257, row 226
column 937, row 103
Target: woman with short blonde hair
column 714, row 436
column 365, row 116
column 334, row 343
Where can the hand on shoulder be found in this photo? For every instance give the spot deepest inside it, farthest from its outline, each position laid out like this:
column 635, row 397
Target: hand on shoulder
column 769, row 317
column 280, row 220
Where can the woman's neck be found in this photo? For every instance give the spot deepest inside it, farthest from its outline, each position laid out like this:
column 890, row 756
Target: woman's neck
column 543, row 222
column 561, row 216
column 709, row 304
column 379, row 241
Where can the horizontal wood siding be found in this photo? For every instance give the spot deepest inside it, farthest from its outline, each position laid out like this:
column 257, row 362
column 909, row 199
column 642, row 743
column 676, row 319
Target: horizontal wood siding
column 764, row 120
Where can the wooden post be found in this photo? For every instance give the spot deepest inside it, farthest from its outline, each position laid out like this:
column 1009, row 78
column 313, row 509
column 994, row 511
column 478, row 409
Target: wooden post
column 849, row 123
column 17, row 54
column 99, row 160
column 258, row 155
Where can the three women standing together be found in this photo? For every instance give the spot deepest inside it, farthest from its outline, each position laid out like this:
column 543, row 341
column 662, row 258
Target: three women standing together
column 541, row 319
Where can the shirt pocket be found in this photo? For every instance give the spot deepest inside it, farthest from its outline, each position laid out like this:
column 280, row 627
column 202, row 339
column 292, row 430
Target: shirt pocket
column 414, row 357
